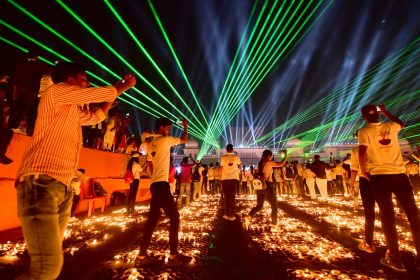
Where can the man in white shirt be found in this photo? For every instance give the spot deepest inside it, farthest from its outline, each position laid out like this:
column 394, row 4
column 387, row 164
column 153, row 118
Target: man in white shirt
column 159, row 160
column 230, row 167
column 381, row 162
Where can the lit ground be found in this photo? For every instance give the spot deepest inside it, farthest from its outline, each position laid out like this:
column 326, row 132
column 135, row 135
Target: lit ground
column 317, row 240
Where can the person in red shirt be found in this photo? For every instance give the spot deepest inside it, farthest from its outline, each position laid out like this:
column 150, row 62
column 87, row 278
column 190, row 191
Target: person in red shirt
column 185, row 187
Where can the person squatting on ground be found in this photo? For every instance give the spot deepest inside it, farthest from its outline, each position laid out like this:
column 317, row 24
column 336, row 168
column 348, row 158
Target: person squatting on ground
column 230, row 168
column 49, row 164
column 136, row 169
column 265, row 170
column 368, row 201
column 159, row 160
column 381, row 162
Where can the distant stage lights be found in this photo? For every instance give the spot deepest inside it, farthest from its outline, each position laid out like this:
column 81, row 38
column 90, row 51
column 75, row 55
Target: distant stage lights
column 244, row 75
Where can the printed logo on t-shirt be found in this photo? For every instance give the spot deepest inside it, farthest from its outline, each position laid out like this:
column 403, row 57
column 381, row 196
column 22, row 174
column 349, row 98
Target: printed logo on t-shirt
column 154, row 148
column 384, row 133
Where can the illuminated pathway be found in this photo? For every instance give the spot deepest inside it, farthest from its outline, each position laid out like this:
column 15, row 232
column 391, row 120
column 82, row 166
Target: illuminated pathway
column 317, row 240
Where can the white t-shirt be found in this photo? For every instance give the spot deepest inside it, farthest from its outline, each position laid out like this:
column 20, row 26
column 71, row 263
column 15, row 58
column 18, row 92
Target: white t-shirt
column 383, row 149
column 159, row 152
column 230, row 163
column 136, row 169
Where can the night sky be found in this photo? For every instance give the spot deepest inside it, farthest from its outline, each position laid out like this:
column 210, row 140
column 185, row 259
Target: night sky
column 341, row 43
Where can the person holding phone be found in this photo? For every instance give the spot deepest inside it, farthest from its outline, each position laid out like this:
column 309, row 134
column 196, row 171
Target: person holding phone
column 230, row 168
column 265, row 169
column 381, row 162
column 50, row 162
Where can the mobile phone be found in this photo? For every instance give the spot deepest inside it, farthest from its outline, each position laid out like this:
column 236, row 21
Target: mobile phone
column 282, row 154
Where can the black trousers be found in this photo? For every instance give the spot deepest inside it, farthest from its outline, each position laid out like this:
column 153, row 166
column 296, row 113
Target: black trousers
column 131, row 201
column 368, row 200
column 268, row 194
column 161, row 199
column 229, row 192
column 383, row 187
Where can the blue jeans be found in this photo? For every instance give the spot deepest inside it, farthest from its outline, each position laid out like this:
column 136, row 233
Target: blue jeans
column 229, row 192
column 44, row 206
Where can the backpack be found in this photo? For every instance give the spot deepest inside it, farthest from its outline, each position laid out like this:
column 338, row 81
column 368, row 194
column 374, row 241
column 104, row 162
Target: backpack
column 196, row 177
column 128, row 177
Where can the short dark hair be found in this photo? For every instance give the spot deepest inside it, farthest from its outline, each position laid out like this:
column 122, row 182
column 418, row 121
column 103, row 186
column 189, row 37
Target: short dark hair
column 267, row 153
column 163, row 122
column 63, row 70
column 370, row 113
column 229, row 148
column 317, row 157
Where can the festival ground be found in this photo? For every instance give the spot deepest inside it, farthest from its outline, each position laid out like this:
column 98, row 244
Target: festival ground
column 316, row 240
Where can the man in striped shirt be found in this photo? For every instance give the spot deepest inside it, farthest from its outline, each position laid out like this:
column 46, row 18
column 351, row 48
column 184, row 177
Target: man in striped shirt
column 50, row 163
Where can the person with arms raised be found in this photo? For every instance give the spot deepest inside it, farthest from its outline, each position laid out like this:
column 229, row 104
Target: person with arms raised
column 50, row 162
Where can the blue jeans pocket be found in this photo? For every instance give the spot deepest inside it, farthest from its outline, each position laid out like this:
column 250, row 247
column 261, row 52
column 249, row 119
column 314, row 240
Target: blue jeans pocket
column 40, row 194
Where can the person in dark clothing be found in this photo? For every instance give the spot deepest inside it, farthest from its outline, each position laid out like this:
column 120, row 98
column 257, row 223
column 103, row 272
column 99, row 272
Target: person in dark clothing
column 6, row 134
column 318, row 167
column 158, row 152
column 26, row 85
column 381, row 162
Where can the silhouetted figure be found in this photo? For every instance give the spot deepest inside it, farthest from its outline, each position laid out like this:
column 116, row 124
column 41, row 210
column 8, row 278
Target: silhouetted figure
column 26, row 85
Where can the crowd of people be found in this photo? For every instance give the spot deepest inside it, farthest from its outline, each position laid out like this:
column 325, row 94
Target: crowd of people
column 45, row 178
column 292, row 178
column 20, row 94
